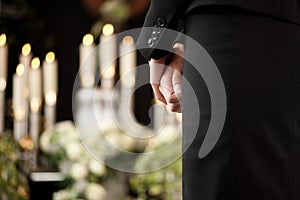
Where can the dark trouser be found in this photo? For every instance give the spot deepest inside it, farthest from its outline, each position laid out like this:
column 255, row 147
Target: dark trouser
column 258, row 154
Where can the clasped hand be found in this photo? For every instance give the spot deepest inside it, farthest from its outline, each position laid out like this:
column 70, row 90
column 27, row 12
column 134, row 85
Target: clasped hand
column 166, row 77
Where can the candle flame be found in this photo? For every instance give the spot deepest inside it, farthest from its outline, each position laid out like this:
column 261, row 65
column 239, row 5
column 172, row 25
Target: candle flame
column 50, row 57
column 50, row 98
column 2, row 84
column 35, row 105
column 2, row 39
column 19, row 113
column 26, row 49
column 108, row 29
column 88, row 40
column 128, row 40
column 35, row 63
column 109, row 72
column 20, row 69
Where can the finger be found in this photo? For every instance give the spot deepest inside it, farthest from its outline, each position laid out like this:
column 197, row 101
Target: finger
column 166, row 87
column 174, row 98
column 174, row 107
column 174, row 103
column 156, row 71
column 157, row 93
column 166, row 79
column 176, row 82
column 166, row 93
column 179, row 49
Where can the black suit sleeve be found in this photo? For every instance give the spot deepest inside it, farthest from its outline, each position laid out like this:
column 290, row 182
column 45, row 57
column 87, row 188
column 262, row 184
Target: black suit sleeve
column 162, row 15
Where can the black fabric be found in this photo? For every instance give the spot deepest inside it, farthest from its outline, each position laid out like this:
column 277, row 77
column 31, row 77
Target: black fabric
column 258, row 154
column 173, row 10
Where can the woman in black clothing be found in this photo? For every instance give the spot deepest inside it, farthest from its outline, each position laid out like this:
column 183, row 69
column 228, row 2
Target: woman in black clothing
column 256, row 47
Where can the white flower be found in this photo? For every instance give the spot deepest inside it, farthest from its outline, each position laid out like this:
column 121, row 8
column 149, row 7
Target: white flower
column 127, row 142
column 46, row 145
column 95, row 191
column 97, row 168
column 73, row 150
column 79, row 186
column 64, row 126
column 78, row 171
column 66, row 131
column 65, row 166
column 120, row 140
column 166, row 135
column 107, row 126
column 45, row 142
column 64, row 194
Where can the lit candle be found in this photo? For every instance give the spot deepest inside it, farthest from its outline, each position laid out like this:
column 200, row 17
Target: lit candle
column 25, row 59
column 3, row 61
column 87, row 60
column 35, row 96
column 50, row 83
column 19, row 103
column 127, row 62
column 35, row 85
column 50, row 79
column 108, row 52
column 3, row 76
column 18, row 93
column 127, row 77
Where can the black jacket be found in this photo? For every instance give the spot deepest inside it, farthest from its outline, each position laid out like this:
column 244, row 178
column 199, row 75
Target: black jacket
column 166, row 14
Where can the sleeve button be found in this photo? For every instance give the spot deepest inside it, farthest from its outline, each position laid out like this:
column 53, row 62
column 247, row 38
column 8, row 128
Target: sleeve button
column 150, row 42
column 161, row 22
column 154, row 35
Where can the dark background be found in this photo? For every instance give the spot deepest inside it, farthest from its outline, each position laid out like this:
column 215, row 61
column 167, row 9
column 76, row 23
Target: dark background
column 58, row 26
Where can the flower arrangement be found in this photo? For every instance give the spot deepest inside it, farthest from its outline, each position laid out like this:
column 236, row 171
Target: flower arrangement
column 83, row 174
column 161, row 184
column 13, row 182
column 87, row 178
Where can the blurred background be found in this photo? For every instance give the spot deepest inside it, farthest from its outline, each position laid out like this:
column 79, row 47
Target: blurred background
column 60, row 168
column 59, row 26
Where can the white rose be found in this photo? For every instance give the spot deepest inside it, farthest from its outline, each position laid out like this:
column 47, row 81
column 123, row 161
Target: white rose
column 73, row 150
column 127, row 142
column 106, row 126
column 95, row 191
column 97, row 168
column 64, row 194
column 67, row 131
column 78, row 171
column 46, row 145
column 166, row 135
column 64, row 126
column 65, row 166
column 121, row 140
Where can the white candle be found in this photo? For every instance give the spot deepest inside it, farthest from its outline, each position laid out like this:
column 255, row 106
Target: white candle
column 35, row 128
column 19, row 102
column 35, row 85
column 25, row 59
column 3, row 77
column 2, row 112
column 127, row 62
column 108, row 55
column 3, row 61
column 50, row 83
column 87, row 60
column 18, row 92
column 35, row 96
column 50, row 79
